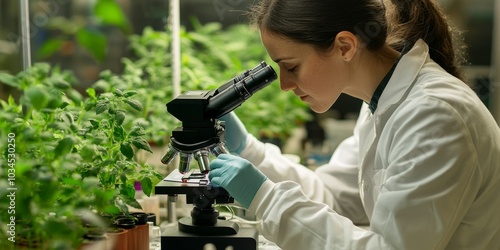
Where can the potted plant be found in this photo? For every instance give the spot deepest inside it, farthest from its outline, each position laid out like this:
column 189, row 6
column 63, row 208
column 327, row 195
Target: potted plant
column 69, row 159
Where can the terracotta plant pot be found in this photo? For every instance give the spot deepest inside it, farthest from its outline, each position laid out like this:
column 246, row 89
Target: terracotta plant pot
column 129, row 225
column 142, row 228
column 94, row 239
column 117, row 239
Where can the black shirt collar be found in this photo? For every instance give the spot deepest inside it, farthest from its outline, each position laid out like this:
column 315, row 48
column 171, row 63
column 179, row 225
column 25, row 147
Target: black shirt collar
column 380, row 89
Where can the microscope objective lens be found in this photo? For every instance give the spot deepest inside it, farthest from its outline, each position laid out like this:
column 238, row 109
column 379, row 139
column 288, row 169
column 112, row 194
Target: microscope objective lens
column 203, row 162
column 185, row 162
column 169, row 155
column 219, row 149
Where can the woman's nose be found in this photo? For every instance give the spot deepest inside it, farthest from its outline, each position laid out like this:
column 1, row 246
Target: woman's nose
column 285, row 83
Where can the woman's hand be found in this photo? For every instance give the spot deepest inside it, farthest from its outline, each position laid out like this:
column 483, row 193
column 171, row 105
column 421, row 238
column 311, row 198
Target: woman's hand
column 237, row 176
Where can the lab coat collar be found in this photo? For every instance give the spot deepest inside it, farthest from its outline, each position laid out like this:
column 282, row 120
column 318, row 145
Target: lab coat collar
column 395, row 92
column 403, row 77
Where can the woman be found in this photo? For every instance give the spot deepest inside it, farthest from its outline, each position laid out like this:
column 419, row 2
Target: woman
column 423, row 165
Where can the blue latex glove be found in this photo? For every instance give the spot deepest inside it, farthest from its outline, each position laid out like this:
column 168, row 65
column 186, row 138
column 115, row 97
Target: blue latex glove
column 236, row 133
column 237, row 176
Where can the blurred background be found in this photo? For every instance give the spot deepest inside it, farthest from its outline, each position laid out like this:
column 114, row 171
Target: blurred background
column 92, row 36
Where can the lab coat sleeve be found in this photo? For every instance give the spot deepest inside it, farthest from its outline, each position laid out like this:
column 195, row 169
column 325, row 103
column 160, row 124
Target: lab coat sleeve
column 340, row 175
column 335, row 183
column 294, row 222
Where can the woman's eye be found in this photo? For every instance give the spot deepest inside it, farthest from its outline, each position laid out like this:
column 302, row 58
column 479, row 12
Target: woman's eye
column 291, row 69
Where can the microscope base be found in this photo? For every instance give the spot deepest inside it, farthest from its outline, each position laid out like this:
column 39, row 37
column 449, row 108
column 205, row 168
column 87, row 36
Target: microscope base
column 244, row 239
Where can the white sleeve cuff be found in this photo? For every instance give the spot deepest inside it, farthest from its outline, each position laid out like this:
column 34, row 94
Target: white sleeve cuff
column 255, row 150
column 264, row 189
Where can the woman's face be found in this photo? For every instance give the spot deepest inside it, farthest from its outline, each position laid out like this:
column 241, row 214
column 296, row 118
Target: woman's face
column 317, row 79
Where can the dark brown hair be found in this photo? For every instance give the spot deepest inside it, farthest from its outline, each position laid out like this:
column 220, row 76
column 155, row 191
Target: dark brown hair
column 317, row 22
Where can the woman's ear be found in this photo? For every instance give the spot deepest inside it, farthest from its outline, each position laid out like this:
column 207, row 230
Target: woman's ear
column 347, row 44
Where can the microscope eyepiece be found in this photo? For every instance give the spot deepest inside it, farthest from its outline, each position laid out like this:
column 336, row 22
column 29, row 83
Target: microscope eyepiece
column 242, row 76
column 231, row 97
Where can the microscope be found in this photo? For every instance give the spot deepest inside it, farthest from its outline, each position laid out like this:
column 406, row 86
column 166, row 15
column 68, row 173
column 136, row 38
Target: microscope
column 200, row 135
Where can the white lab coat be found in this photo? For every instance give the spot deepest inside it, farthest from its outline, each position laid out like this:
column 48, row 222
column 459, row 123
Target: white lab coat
column 423, row 170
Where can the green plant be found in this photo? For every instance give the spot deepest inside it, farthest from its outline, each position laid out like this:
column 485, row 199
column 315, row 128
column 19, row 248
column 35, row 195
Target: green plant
column 69, row 158
column 110, row 147
column 152, row 87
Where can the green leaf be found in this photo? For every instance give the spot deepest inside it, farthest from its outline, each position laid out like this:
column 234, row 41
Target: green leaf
column 112, row 110
column 88, row 151
column 55, row 98
column 98, row 140
column 9, row 80
column 72, row 180
column 60, row 83
column 118, row 92
column 94, row 41
column 132, row 202
column 91, row 92
column 157, row 175
column 101, row 107
column 121, row 205
column 64, row 146
column 94, row 123
column 119, row 117
column 75, row 96
column 106, row 74
column 127, row 150
column 136, row 131
column 127, row 190
column 11, row 101
column 90, row 183
column 89, row 104
column 69, row 165
column 134, row 104
column 59, row 126
column 129, row 93
column 118, row 133
column 109, row 12
column 68, row 118
column 111, row 210
column 57, row 229
column 147, row 185
column 45, row 135
column 49, row 47
column 123, row 178
column 38, row 97
column 140, row 143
